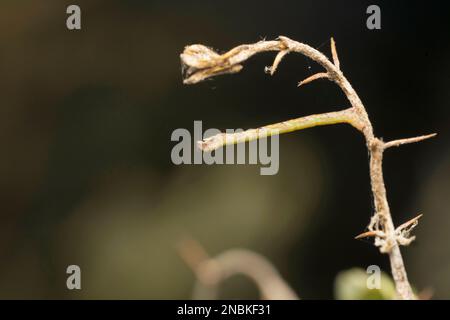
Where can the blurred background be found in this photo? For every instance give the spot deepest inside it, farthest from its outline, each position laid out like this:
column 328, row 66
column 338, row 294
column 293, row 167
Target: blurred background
column 86, row 176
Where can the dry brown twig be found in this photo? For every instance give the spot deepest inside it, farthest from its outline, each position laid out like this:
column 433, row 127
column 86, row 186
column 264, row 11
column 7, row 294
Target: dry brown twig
column 210, row 272
column 201, row 63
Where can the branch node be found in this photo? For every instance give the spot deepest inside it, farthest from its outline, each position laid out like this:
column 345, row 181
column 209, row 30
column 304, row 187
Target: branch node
column 369, row 234
column 285, row 41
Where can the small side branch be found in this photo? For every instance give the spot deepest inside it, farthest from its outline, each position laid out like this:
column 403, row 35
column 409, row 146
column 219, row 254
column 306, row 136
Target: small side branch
column 223, row 139
column 334, row 54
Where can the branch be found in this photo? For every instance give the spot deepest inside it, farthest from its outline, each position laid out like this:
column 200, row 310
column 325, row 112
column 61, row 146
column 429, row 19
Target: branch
column 201, row 63
column 222, row 139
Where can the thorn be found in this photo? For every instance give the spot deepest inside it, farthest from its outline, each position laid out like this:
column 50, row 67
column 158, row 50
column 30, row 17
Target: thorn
column 409, row 224
column 316, row 76
column 403, row 231
column 334, row 54
column 367, row 234
column 399, row 142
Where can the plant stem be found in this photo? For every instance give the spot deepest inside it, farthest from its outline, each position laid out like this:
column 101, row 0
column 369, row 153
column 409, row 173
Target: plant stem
column 201, row 63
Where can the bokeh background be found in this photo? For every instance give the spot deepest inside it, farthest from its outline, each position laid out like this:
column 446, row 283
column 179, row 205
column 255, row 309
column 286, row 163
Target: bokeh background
column 86, row 117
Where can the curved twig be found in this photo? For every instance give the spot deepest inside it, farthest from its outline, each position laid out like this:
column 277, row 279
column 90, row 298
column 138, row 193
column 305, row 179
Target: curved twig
column 211, row 272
